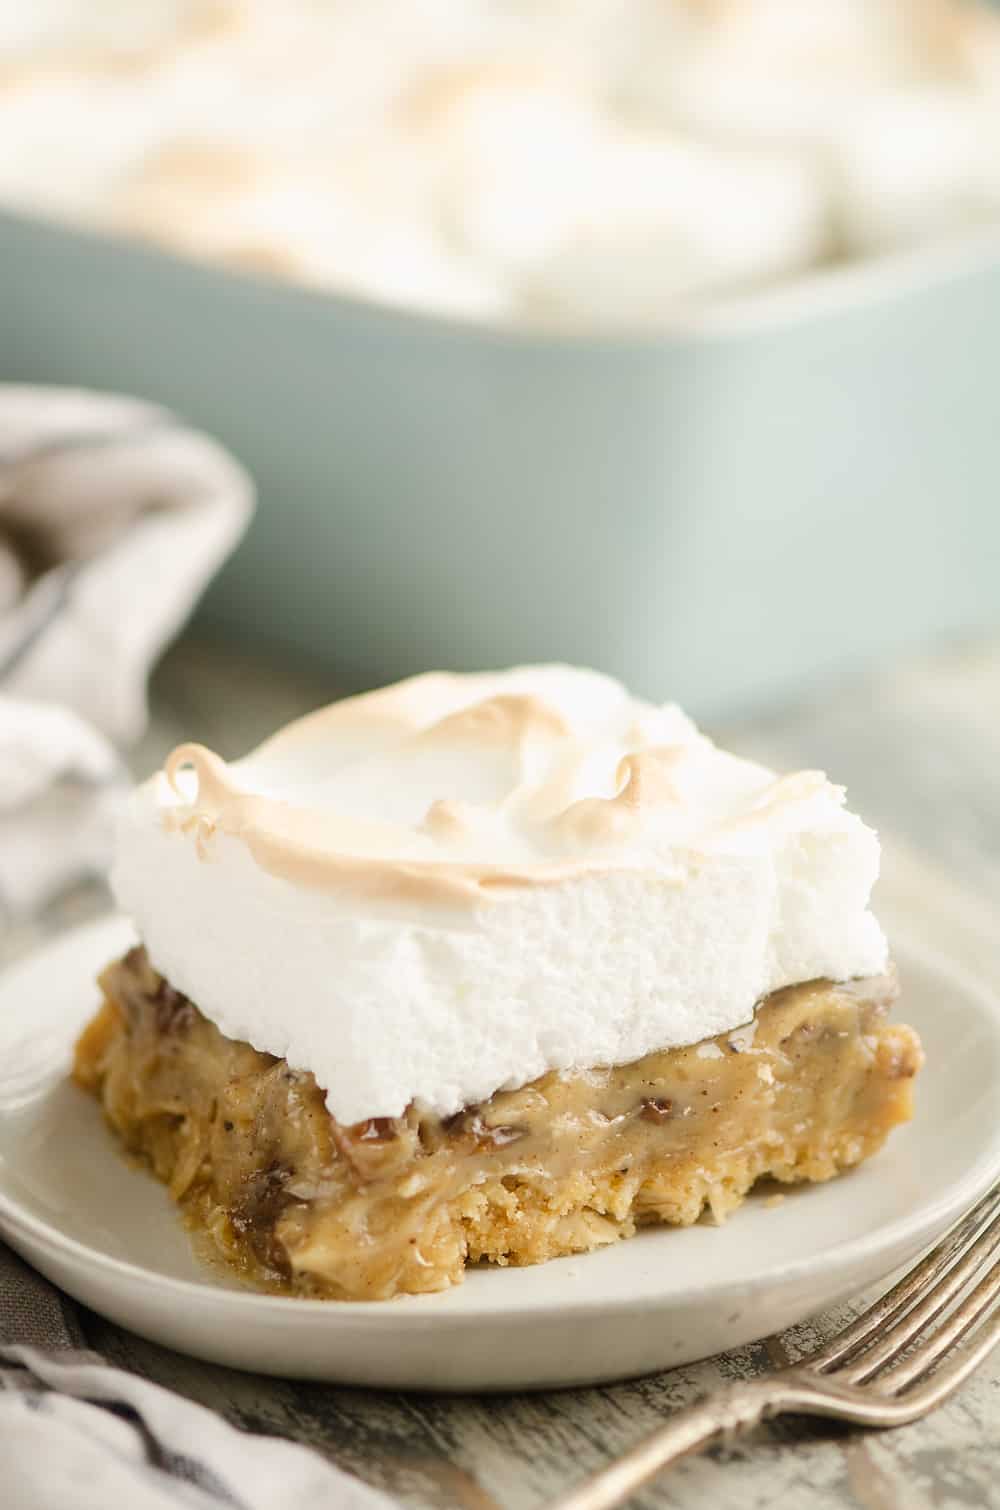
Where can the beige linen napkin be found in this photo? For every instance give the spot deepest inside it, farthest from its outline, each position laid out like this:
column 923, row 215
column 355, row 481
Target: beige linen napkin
column 113, row 517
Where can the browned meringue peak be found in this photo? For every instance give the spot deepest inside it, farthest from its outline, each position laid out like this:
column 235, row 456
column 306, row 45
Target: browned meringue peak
column 502, row 720
column 643, row 782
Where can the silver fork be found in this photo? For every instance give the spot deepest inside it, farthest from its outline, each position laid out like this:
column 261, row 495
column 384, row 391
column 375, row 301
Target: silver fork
column 890, row 1367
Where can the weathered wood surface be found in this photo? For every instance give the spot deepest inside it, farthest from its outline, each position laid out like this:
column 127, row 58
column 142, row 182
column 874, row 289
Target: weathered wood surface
column 919, row 747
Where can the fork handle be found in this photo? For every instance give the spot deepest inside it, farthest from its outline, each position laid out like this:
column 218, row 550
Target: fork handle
column 717, row 1418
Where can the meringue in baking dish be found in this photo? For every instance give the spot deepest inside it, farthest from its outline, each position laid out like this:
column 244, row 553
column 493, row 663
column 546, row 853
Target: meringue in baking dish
column 494, row 966
column 549, row 163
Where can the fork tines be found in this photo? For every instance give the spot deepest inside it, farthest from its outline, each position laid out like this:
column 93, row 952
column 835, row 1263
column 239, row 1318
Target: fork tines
column 895, row 1344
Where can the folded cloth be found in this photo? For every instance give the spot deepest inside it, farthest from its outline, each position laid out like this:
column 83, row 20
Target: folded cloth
column 113, row 517
column 81, row 1435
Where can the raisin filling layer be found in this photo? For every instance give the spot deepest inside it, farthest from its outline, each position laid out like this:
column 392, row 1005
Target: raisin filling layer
column 298, row 1202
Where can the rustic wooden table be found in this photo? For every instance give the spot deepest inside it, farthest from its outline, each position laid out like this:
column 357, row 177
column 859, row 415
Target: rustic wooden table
column 918, row 744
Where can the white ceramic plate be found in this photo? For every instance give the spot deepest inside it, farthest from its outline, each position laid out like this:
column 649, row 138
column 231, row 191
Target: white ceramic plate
column 107, row 1232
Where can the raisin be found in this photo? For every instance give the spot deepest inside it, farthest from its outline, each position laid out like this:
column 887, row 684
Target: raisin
column 376, row 1130
column 174, row 1013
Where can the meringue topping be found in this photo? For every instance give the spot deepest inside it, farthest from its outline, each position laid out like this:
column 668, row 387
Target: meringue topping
column 459, row 882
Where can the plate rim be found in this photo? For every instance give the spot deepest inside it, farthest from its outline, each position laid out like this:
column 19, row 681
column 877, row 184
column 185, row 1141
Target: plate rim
column 416, row 1312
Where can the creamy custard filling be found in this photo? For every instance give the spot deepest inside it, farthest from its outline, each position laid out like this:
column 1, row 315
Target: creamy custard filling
column 301, row 1202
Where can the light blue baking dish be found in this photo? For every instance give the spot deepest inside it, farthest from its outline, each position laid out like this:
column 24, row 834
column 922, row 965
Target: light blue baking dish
column 766, row 493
